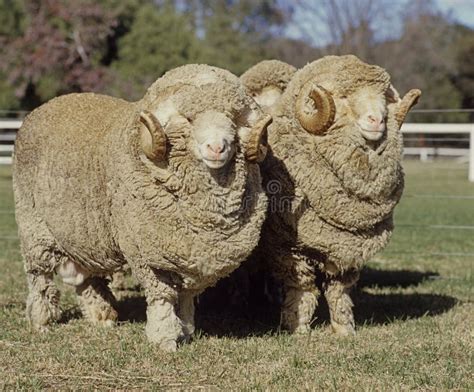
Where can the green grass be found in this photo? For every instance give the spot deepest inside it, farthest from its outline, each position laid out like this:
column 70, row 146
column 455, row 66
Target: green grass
column 414, row 311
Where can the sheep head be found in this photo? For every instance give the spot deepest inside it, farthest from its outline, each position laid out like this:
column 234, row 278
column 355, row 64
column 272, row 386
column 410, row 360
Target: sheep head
column 201, row 113
column 267, row 80
column 356, row 92
column 213, row 135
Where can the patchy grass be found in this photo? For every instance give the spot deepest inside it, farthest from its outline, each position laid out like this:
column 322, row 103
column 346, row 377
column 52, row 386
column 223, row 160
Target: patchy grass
column 414, row 311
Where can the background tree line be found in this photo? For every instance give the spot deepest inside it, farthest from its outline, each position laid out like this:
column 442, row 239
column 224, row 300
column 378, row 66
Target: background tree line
column 120, row 47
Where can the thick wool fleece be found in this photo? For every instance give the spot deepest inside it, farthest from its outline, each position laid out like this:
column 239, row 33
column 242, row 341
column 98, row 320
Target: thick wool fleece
column 331, row 197
column 267, row 73
column 336, row 194
column 86, row 193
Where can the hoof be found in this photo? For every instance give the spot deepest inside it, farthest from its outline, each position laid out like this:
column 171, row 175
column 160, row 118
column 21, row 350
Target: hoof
column 169, row 346
column 102, row 317
column 343, row 330
column 302, row 330
column 106, row 323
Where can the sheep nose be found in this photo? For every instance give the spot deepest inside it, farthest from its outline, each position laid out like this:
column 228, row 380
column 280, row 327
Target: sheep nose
column 217, row 148
column 374, row 119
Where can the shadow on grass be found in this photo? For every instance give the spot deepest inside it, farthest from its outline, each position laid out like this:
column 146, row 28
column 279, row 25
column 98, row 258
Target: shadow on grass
column 70, row 314
column 370, row 277
column 132, row 309
column 252, row 314
column 376, row 309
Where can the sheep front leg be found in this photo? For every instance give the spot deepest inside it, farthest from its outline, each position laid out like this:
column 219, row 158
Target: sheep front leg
column 96, row 301
column 42, row 304
column 340, row 305
column 301, row 293
column 163, row 326
column 186, row 313
column 298, row 309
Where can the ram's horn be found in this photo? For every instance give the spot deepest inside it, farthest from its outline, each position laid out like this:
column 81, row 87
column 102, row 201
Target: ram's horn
column 319, row 121
column 408, row 101
column 153, row 139
column 257, row 143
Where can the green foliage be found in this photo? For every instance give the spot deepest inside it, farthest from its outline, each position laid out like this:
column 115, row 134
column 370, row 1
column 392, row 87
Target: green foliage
column 236, row 32
column 12, row 18
column 227, row 47
column 121, row 46
column 159, row 40
column 8, row 100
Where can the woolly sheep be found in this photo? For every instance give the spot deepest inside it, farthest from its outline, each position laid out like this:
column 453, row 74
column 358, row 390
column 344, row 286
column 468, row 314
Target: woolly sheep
column 267, row 80
column 168, row 184
column 333, row 177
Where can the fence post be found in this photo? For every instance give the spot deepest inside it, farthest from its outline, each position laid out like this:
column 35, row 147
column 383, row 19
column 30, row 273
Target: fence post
column 471, row 156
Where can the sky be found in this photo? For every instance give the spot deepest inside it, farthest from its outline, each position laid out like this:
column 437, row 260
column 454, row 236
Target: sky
column 458, row 10
column 463, row 10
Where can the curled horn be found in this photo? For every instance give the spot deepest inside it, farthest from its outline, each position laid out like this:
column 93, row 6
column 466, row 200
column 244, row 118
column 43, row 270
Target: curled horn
column 408, row 101
column 153, row 142
column 256, row 148
column 322, row 118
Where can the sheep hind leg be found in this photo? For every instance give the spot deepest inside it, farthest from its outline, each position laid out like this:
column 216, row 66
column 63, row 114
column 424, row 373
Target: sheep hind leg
column 97, row 301
column 42, row 304
column 298, row 309
column 340, row 304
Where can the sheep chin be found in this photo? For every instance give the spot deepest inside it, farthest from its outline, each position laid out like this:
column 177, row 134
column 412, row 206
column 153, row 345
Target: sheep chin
column 214, row 164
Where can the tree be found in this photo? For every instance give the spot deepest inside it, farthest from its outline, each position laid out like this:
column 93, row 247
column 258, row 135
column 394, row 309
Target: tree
column 236, row 33
column 159, row 40
column 343, row 27
column 424, row 57
column 59, row 50
column 12, row 18
column 464, row 77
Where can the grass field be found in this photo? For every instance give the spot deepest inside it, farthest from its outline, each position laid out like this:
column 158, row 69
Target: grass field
column 414, row 312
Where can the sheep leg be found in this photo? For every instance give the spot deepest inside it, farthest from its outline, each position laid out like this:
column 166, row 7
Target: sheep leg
column 163, row 326
column 186, row 313
column 96, row 301
column 42, row 304
column 298, row 309
column 301, row 293
column 337, row 291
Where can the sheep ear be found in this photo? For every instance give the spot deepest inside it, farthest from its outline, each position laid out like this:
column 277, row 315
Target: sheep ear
column 257, row 145
column 409, row 100
column 152, row 137
column 318, row 120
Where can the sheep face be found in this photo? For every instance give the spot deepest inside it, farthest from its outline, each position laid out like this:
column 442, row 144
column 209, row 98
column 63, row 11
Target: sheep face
column 366, row 107
column 214, row 137
column 369, row 107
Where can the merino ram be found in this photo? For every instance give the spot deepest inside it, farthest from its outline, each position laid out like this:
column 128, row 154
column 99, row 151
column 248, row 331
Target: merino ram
column 168, row 184
column 333, row 176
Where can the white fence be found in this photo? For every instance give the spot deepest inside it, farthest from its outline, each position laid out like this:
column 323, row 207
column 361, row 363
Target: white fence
column 9, row 127
column 445, row 129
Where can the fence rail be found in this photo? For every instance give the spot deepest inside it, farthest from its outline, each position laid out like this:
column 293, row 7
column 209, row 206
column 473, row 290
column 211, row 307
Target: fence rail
column 9, row 127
